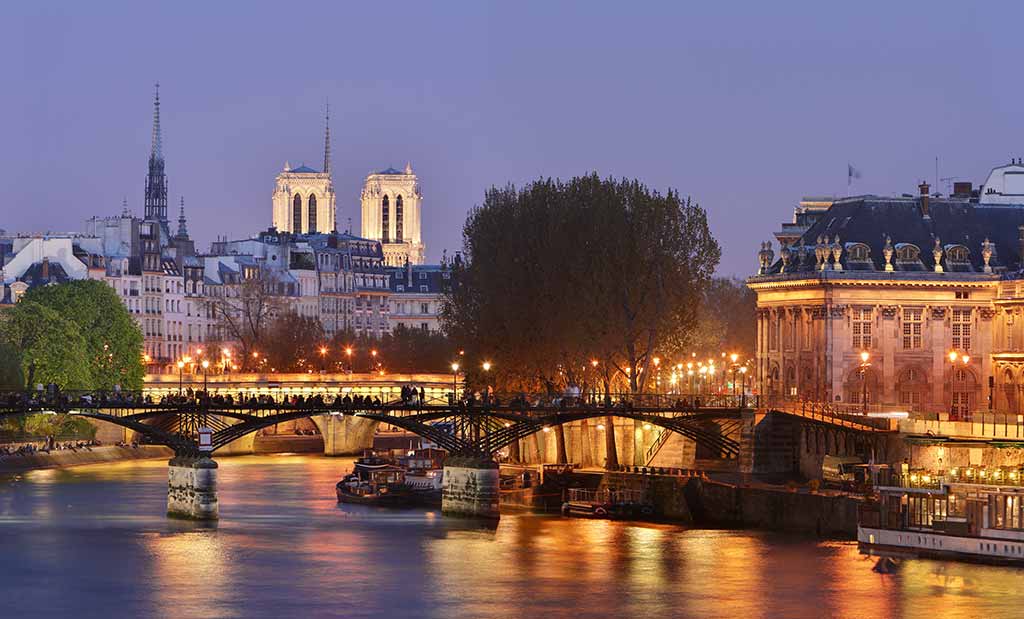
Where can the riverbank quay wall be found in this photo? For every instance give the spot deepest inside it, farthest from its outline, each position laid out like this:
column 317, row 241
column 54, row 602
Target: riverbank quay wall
column 95, row 455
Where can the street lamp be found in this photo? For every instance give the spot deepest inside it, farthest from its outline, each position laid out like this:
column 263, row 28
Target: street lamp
column 181, row 367
column 206, row 366
column 954, row 358
column 348, row 353
column 455, row 381
column 865, row 363
column 487, row 392
column 323, row 355
column 743, row 389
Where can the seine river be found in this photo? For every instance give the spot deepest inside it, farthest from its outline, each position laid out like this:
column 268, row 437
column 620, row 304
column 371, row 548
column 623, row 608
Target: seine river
column 93, row 541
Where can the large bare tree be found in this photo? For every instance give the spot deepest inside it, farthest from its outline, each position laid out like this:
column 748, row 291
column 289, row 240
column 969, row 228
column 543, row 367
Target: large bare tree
column 245, row 309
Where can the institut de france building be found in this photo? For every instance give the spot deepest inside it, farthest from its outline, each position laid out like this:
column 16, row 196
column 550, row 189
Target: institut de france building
column 916, row 302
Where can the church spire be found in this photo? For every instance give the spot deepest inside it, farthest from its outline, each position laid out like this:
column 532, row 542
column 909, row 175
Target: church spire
column 182, row 229
column 157, row 149
column 327, row 140
column 156, row 180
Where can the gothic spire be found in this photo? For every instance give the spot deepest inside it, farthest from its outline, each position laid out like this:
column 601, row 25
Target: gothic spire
column 182, row 229
column 327, row 140
column 157, row 149
column 156, row 180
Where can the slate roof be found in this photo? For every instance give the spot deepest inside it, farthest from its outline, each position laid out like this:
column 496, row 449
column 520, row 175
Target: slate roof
column 434, row 281
column 304, row 169
column 871, row 220
column 391, row 171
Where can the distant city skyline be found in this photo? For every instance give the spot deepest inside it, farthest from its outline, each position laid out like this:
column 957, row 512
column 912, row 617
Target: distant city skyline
column 745, row 124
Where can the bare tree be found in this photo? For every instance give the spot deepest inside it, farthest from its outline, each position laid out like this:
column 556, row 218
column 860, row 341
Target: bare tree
column 245, row 309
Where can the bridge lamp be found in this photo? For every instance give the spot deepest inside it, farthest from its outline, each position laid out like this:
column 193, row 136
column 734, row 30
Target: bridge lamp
column 647, row 426
column 547, row 429
column 455, row 367
column 205, row 364
column 600, row 426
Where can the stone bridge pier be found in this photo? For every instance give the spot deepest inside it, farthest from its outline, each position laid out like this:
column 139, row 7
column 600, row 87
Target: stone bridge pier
column 470, row 487
column 192, row 488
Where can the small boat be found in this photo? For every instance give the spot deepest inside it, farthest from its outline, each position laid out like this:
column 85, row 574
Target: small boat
column 425, row 486
column 375, row 481
column 606, row 503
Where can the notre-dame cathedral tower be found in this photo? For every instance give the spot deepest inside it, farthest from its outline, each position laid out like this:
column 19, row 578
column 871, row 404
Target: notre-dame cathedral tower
column 391, row 203
column 303, row 200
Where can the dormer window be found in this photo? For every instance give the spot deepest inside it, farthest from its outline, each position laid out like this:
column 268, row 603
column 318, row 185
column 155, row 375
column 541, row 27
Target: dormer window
column 957, row 253
column 907, row 252
column 858, row 252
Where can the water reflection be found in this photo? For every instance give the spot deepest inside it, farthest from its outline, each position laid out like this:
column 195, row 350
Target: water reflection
column 75, row 541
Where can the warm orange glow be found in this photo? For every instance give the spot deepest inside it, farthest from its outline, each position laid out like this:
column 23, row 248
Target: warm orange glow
column 205, row 364
column 487, row 366
column 146, row 358
column 455, row 367
column 657, row 361
column 593, row 362
column 966, row 358
column 952, row 356
column 373, row 352
column 864, row 356
column 348, row 351
column 181, row 364
column 255, row 355
column 323, row 350
column 734, row 357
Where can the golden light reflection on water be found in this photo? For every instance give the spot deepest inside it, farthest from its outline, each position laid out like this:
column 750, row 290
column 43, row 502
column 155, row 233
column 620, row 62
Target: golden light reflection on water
column 284, row 547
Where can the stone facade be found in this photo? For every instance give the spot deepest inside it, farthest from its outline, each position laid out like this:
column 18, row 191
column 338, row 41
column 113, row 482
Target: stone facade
column 926, row 289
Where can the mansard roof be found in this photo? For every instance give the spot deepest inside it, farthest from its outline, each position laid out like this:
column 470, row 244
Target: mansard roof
column 873, row 221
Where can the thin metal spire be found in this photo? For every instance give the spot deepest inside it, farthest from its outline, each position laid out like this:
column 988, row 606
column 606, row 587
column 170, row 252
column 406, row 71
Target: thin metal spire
column 327, row 140
column 157, row 150
column 182, row 229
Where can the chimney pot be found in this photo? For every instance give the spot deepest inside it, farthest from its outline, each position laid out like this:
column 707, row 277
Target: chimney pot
column 924, row 199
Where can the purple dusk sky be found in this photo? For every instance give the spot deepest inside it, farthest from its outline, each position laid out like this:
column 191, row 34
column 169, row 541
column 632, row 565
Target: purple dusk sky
column 744, row 106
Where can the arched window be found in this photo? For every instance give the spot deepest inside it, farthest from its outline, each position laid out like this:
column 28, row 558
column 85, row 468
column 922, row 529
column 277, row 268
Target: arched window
column 312, row 214
column 398, row 219
column 912, row 387
column 1010, row 393
column 385, row 220
column 297, row 214
column 964, row 387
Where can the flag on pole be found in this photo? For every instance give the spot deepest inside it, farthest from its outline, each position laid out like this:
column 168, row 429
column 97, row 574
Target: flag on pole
column 851, row 173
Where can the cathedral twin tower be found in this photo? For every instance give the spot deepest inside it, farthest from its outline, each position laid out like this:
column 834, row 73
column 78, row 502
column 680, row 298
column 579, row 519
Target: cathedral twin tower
column 304, row 203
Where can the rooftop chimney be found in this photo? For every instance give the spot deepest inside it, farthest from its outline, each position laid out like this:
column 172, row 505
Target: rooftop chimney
column 924, row 199
column 46, row 268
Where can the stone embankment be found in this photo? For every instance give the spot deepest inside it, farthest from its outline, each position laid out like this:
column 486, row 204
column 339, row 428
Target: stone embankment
column 93, row 455
column 691, row 498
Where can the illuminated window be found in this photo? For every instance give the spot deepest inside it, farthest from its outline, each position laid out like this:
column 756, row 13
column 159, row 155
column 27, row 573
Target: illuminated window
column 962, row 329
column 913, row 321
column 862, row 328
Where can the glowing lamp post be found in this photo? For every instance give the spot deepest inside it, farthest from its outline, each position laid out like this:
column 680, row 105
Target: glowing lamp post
column 455, row 381
column 954, row 359
column 348, row 353
column 206, row 366
column 323, row 357
column 865, row 363
column 181, row 368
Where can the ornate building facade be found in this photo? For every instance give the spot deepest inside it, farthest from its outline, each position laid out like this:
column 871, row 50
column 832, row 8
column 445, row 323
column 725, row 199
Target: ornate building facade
column 915, row 303
column 391, row 202
column 303, row 200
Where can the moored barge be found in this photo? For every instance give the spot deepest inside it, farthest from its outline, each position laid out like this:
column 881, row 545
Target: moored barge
column 968, row 514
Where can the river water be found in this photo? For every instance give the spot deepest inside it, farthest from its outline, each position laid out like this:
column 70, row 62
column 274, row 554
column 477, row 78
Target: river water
column 94, row 541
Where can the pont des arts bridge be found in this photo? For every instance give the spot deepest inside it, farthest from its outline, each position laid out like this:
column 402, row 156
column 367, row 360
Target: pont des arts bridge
column 197, row 424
